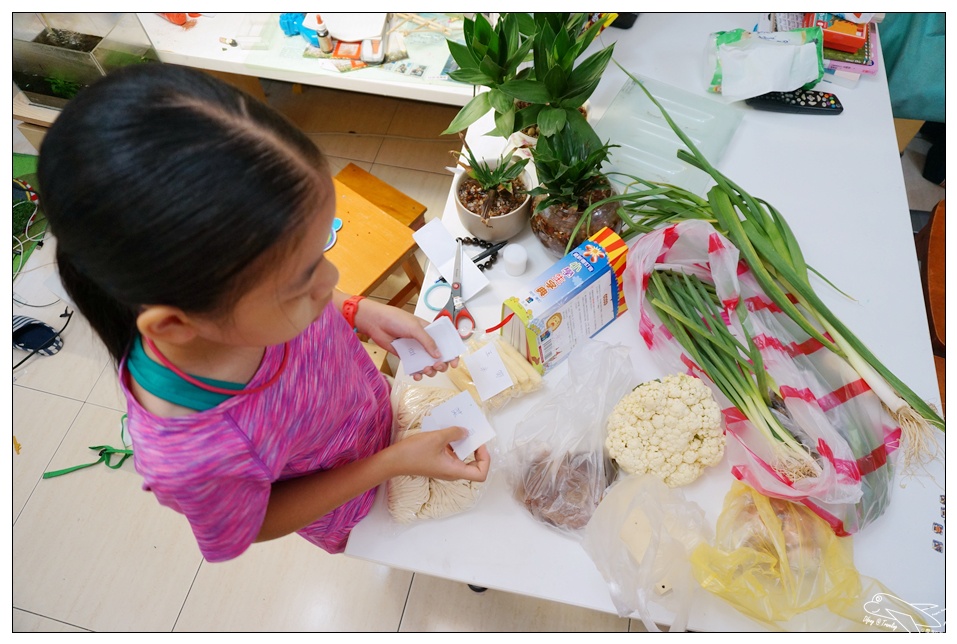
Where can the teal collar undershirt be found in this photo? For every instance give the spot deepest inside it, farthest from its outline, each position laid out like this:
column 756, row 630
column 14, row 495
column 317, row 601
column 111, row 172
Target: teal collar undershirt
column 164, row 383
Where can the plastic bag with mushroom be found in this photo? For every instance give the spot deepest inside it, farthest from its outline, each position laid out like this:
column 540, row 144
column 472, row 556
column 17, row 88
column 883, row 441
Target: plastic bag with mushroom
column 781, row 564
column 557, row 464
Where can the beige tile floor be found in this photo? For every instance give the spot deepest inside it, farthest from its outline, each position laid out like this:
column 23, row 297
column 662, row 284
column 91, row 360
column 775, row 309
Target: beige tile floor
column 92, row 552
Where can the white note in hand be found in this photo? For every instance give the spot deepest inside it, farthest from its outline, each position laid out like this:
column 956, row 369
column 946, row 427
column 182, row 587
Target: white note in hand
column 461, row 411
column 415, row 358
column 488, row 371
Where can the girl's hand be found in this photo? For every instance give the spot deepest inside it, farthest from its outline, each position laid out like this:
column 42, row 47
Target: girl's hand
column 384, row 323
column 429, row 454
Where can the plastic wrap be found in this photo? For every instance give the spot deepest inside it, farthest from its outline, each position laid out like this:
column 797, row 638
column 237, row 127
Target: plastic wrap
column 557, row 464
column 640, row 539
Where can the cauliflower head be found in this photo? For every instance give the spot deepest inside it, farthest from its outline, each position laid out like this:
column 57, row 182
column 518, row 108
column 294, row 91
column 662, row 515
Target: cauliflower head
column 670, row 427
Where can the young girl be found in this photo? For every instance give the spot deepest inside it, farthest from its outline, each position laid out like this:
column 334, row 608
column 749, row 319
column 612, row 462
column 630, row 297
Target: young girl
column 190, row 220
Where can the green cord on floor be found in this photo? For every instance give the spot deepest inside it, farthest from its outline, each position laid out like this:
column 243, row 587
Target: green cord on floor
column 106, row 452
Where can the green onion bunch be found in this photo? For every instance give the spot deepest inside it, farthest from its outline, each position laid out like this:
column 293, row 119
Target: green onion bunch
column 771, row 251
column 691, row 311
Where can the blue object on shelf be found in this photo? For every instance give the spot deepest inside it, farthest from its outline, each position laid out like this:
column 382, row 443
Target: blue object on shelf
column 291, row 23
column 311, row 35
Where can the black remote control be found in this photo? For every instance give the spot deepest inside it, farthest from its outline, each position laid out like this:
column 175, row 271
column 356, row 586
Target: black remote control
column 800, row 101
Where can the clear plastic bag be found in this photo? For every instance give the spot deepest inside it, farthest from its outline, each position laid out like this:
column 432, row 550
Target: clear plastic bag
column 640, row 538
column 411, row 498
column 557, row 465
column 826, row 405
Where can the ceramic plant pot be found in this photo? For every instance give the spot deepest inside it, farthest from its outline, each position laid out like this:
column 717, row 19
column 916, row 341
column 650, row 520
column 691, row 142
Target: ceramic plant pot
column 499, row 227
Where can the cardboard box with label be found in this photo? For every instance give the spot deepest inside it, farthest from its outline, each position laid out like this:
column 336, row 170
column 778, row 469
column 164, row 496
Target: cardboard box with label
column 573, row 300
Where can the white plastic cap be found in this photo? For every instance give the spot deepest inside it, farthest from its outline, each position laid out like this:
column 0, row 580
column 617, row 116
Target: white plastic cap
column 515, row 257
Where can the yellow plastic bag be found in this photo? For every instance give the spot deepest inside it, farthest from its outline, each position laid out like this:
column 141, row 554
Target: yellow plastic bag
column 779, row 563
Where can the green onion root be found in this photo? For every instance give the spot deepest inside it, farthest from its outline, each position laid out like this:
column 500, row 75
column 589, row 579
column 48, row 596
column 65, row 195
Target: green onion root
column 918, row 446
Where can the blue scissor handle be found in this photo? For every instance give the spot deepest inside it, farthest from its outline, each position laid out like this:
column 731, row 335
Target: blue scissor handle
column 454, row 308
column 428, row 292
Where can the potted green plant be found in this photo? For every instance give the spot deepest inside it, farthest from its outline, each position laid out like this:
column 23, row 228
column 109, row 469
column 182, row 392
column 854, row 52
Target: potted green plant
column 491, row 195
column 573, row 199
column 490, row 57
column 553, row 95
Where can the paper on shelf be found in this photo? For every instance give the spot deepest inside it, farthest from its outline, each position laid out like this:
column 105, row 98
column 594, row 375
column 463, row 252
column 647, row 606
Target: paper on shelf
column 353, row 27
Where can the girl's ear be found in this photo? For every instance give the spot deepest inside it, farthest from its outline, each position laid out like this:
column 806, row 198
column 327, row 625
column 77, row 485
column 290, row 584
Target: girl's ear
column 166, row 324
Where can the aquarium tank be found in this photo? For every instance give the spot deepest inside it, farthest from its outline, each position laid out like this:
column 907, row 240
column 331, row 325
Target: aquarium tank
column 56, row 55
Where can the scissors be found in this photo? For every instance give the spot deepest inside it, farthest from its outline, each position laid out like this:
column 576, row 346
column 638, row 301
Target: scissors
column 442, row 283
column 454, row 308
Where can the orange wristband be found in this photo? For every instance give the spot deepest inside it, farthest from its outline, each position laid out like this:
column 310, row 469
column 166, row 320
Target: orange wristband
column 349, row 309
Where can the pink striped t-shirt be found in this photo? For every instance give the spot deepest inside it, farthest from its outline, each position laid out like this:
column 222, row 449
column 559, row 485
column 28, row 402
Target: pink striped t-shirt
column 329, row 407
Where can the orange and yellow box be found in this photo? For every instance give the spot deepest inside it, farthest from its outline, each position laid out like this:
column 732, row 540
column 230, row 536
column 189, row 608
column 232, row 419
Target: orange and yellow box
column 574, row 299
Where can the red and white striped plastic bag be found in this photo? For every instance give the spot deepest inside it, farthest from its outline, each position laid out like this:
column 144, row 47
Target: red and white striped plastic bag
column 830, row 409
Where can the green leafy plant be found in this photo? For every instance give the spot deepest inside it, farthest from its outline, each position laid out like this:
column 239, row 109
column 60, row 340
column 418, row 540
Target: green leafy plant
column 557, row 87
column 62, row 87
column 573, row 199
column 494, row 178
column 490, row 57
column 568, row 166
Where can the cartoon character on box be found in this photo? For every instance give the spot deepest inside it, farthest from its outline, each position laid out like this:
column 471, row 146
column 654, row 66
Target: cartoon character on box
column 554, row 322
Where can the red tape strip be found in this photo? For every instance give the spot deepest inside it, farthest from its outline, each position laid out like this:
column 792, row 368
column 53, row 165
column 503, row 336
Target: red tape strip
column 501, row 324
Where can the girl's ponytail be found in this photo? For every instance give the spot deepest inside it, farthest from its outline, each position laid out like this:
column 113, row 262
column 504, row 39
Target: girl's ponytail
column 113, row 322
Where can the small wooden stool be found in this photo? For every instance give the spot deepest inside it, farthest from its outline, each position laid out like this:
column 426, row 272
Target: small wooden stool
column 376, row 236
column 370, row 246
column 403, row 208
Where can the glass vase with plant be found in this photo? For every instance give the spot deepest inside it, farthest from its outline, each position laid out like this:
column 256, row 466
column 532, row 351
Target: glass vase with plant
column 573, row 199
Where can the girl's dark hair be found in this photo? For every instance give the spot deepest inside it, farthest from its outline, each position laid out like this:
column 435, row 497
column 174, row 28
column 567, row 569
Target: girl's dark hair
column 164, row 185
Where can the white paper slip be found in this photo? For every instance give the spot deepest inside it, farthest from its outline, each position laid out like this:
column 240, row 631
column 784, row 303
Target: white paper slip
column 461, row 411
column 415, row 358
column 439, row 246
column 488, row 371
